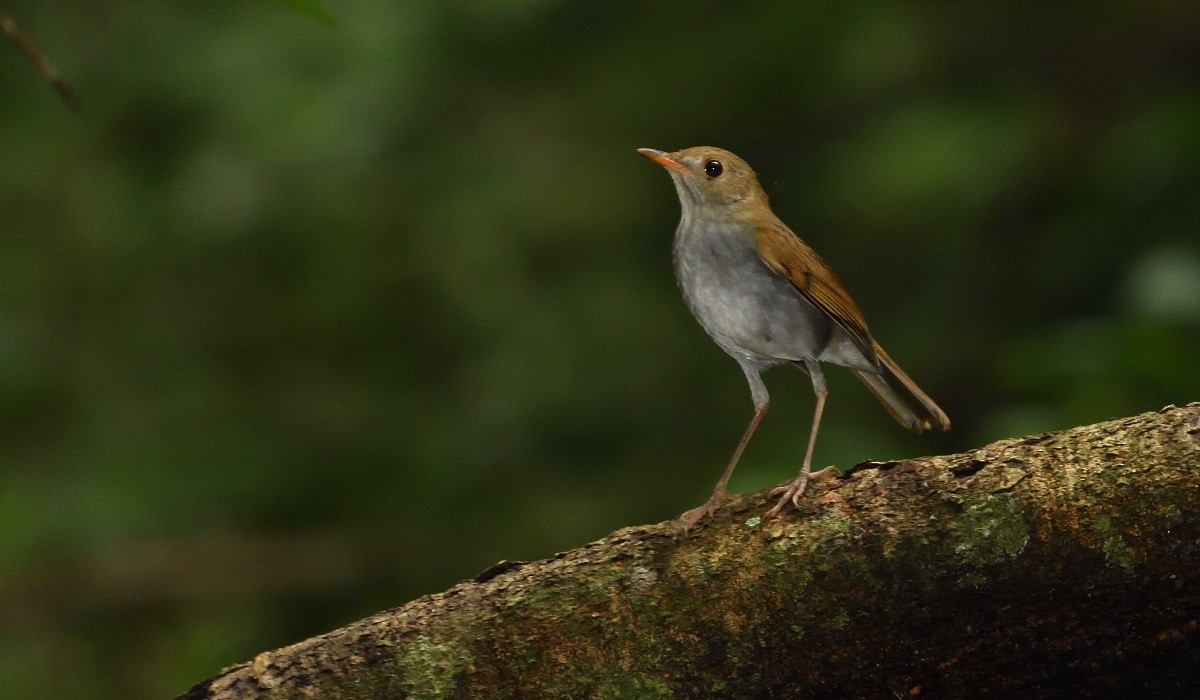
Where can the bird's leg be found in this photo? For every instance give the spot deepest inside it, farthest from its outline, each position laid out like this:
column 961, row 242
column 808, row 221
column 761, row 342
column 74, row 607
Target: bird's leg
column 793, row 491
column 719, row 494
column 762, row 401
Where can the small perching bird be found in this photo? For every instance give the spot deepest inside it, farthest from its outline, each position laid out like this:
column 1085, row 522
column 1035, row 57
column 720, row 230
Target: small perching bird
column 767, row 298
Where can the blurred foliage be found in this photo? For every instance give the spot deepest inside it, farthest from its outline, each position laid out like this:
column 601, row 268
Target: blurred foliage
column 311, row 8
column 299, row 324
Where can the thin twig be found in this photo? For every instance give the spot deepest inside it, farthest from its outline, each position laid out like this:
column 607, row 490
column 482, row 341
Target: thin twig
column 31, row 51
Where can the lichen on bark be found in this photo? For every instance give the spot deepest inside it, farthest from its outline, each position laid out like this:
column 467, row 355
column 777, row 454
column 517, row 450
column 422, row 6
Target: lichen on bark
column 1047, row 566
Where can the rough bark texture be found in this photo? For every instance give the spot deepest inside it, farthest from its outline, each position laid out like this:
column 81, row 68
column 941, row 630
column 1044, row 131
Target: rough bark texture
column 1058, row 565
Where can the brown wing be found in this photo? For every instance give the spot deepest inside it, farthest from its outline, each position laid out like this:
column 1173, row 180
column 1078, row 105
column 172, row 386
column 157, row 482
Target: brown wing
column 792, row 259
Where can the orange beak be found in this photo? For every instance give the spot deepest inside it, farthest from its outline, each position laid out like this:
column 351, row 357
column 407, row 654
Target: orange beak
column 663, row 158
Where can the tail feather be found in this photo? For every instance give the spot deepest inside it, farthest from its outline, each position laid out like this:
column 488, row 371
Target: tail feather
column 901, row 396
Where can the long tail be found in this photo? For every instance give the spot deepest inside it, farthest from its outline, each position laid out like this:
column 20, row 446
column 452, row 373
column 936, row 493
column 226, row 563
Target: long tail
column 901, row 396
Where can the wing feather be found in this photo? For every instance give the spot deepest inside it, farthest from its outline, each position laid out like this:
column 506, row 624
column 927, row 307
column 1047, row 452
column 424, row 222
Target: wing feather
column 791, row 258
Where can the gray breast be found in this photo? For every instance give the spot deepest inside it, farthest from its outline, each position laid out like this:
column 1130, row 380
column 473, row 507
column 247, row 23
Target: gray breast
column 749, row 311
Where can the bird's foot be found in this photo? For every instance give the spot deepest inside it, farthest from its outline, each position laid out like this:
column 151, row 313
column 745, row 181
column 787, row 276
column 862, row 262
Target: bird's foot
column 695, row 515
column 793, row 490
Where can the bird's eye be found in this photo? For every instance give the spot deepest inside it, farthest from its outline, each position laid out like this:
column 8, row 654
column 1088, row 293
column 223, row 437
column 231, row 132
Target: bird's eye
column 713, row 168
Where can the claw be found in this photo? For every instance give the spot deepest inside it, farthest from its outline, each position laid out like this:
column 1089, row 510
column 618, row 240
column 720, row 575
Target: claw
column 791, row 492
column 795, row 489
column 695, row 515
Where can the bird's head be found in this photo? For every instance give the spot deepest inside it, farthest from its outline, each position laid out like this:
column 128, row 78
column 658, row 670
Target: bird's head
column 706, row 176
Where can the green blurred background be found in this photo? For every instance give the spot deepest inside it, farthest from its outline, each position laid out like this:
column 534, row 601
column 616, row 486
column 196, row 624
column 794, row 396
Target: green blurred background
column 299, row 323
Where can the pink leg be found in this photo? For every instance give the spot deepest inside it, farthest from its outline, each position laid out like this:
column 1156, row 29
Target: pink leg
column 795, row 489
column 758, row 391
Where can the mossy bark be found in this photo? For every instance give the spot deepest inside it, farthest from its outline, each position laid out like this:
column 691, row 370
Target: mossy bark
column 1058, row 565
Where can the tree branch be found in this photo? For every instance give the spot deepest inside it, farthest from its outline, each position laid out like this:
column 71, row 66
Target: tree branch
column 25, row 45
column 1058, row 565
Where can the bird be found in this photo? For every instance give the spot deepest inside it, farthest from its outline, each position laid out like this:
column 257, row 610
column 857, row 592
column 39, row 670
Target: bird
column 766, row 298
